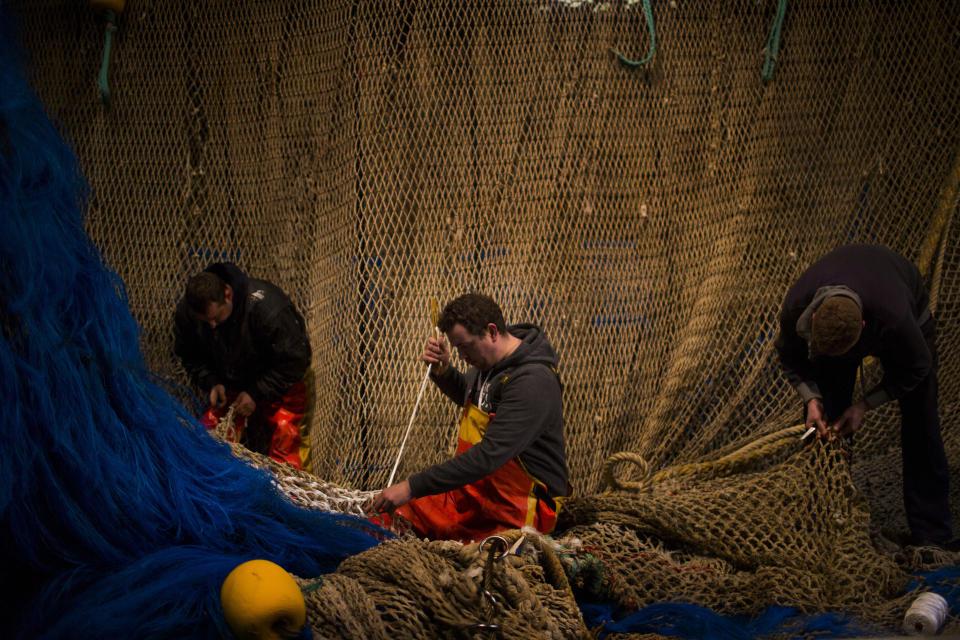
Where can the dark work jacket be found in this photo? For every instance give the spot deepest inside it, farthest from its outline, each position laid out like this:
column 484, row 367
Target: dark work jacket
column 894, row 303
column 524, row 394
column 262, row 348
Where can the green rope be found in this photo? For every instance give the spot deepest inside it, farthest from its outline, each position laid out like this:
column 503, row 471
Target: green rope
column 590, row 574
column 313, row 586
column 773, row 40
column 111, row 18
column 648, row 14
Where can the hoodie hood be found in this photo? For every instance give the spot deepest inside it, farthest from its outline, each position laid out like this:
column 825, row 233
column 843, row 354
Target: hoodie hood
column 805, row 321
column 534, row 348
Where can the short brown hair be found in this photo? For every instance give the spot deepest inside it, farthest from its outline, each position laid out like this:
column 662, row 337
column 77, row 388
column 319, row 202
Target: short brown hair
column 474, row 311
column 202, row 289
column 836, row 325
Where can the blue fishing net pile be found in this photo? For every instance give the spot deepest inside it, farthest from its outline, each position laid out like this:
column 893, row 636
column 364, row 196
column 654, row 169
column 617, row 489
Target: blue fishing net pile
column 120, row 515
column 692, row 622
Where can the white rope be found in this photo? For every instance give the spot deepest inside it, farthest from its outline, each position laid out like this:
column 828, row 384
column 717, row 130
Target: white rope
column 423, row 385
column 324, row 497
column 416, row 405
column 926, row 615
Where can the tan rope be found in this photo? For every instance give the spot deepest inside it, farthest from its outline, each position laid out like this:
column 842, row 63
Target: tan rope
column 226, row 430
column 939, row 234
column 757, row 449
column 943, row 213
column 611, row 481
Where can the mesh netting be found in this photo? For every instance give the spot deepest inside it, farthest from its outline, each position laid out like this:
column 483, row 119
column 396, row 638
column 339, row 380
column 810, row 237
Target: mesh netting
column 370, row 156
column 796, row 534
column 419, row 589
column 766, row 525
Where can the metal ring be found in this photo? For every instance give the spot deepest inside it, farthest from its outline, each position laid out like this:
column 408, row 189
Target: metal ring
column 489, row 596
column 501, row 539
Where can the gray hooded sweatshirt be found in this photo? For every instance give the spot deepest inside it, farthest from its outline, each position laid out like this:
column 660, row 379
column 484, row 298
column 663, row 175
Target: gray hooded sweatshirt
column 523, row 392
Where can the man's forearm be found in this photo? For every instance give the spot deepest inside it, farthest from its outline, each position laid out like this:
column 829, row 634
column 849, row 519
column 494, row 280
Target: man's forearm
column 808, row 390
column 452, row 383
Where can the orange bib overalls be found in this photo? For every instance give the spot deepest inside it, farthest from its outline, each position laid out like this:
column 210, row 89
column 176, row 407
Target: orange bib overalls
column 508, row 498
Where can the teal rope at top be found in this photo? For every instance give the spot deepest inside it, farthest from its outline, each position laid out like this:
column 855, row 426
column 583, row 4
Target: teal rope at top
column 773, row 40
column 648, row 14
column 111, row 19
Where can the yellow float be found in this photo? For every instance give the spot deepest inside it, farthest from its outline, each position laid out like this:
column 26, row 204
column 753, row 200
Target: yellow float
column 261, row 601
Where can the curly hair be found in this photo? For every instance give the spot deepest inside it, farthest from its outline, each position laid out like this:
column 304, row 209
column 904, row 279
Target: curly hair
column 474, row 311
column 836, row 325
column 202, row 289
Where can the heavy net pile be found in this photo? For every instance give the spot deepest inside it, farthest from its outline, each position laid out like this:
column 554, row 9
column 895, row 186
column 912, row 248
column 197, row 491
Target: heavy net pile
column 436, row 589
column 371, row 156
column 772, row 538
column 796, row 535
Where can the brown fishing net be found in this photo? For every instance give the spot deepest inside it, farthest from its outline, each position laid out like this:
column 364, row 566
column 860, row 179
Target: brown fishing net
column 510, row 586
column 368, row 156
column 796, row 534
column 420, row 589
column 771, row 523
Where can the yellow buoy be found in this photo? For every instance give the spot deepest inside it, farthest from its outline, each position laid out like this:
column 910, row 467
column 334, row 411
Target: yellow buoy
column 261, row 601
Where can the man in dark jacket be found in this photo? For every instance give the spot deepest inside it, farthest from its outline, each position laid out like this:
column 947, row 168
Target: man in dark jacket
column 243, row 342
column 510, row 469
column 858, row 301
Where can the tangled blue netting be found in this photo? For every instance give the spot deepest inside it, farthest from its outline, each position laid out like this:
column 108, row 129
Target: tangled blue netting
column 693, row 622
column 120, row 516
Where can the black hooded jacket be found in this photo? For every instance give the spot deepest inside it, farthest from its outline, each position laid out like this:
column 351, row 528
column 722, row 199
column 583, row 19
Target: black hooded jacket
column 894, row 301
column 524, row 393
column 262, row 348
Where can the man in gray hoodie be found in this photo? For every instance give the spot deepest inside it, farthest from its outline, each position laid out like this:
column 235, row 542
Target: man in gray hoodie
column 510, row 468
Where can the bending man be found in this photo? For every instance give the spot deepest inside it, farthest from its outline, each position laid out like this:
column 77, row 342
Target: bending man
column 510, row 469
column 243, row 342
column 862, row 300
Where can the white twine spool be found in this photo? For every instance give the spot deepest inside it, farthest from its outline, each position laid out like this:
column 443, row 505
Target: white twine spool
column 926, row 615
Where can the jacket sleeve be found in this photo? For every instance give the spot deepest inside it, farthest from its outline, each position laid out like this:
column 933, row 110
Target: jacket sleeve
column 906, row 361
column 452, row 383
column 529, row 403
column 794, row 357
column 283, row 338
column 192, row 353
